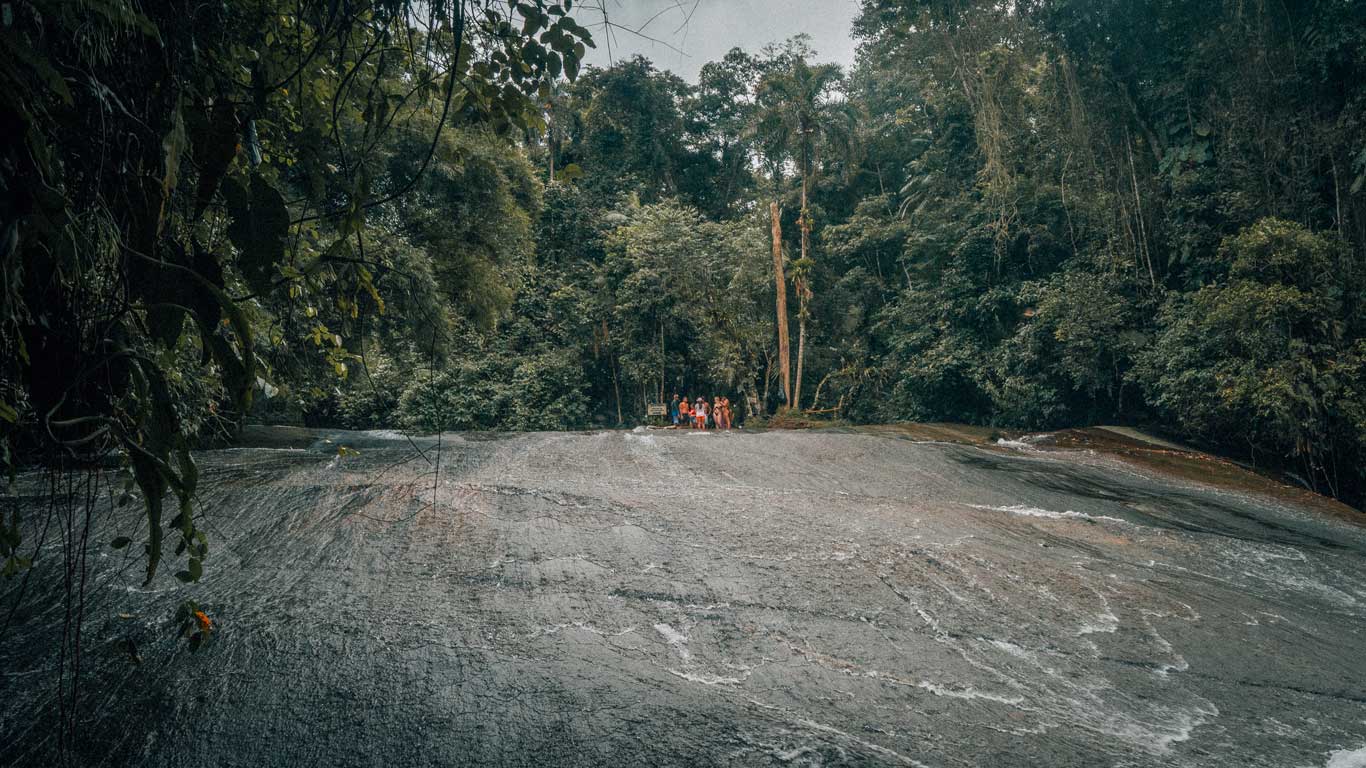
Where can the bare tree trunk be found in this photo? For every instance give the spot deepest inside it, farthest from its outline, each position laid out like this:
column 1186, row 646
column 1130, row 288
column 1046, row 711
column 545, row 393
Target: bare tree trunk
column 1337, row 196
column 1142, row 228
column 802, row 292
column 816, row 401
column 1150, row 136
column 550, row 143
column 780, row 287
column 616, row 388
column 768, row 383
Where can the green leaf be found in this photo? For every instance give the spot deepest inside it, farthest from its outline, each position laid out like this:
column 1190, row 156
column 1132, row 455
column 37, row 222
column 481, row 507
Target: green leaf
column 260, row 224
column 120, row 542
column 569, row 172
column 184, row 576
column 166, row 324
column 40, row 64
column 196, row 568
column 8, row 413
column 185, row 610
column 173, row 148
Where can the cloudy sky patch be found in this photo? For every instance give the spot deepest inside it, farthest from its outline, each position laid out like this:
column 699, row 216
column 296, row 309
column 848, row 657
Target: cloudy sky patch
column 682, row 35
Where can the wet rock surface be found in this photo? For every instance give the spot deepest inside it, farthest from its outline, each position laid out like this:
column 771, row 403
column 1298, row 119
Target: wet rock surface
column 666, row 598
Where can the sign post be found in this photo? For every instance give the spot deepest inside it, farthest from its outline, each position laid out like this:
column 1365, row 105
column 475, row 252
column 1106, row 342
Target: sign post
column 656, row 412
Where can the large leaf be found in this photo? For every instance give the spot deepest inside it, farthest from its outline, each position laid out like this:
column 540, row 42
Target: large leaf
column 167, row 300
column 260, row 224
column 165, row 323
column 214, row 139
column 173, row 147
column 213, row 305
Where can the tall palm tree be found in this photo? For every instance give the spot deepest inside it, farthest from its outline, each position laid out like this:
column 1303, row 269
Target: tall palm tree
column 801, row 113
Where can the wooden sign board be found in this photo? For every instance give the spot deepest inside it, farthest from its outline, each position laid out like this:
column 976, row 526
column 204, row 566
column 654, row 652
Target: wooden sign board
column 656, row 410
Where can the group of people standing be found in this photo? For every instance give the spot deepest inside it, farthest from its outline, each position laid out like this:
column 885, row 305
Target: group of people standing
column 700, row 414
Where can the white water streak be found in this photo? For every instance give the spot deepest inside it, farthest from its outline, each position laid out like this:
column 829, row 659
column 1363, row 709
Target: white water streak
column 1344, row 758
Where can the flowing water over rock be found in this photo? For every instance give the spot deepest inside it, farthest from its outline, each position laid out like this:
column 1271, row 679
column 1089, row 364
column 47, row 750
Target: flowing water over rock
column 665, row 598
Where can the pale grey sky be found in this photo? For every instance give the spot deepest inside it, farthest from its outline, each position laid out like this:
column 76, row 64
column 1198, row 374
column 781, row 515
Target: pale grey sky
column 703, row 30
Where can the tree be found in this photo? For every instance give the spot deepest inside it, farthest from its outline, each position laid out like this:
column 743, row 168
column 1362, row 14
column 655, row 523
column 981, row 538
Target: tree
column 720, row 112
column 1262, row 355
column 202, row 200
column 780, row 291
column 799, row 114
column 628, row 129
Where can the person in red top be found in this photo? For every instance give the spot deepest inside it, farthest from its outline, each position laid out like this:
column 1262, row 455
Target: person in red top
column 684, row 413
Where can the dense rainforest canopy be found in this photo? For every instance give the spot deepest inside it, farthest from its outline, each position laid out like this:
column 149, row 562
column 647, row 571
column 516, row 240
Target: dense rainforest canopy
column 1027, row 214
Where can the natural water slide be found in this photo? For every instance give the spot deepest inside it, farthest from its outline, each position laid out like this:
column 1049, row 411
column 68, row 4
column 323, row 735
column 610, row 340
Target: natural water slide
column 675, row 598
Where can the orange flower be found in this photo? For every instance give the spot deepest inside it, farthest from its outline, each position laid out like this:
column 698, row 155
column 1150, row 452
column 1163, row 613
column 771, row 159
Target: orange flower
column 204, row 622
